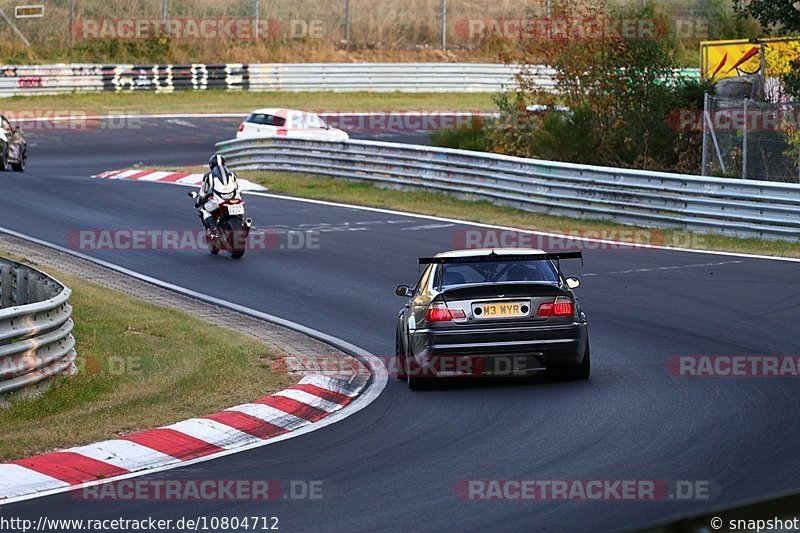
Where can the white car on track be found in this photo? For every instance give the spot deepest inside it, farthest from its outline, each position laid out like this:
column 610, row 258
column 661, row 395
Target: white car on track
column 288, row 123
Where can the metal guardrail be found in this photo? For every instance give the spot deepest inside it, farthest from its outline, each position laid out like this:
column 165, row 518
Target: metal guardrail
column 36, row 325
column 738, row 208
column 377, row 77
column 405, row 77
column 341, row 77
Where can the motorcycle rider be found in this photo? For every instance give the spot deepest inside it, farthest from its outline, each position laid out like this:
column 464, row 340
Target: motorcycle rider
column 220, row 179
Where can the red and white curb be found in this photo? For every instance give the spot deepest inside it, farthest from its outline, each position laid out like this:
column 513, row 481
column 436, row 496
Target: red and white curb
column 314, row 398
column 178, row 178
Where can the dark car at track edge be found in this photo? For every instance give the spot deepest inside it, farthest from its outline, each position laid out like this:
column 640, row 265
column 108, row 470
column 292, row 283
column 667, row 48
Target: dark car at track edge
column 13, row 147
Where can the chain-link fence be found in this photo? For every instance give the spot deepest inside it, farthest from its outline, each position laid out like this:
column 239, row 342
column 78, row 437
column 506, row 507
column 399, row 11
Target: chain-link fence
column 751, row 140
column 372, row 23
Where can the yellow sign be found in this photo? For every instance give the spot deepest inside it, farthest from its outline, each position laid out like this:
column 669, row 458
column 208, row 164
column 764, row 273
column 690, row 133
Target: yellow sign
column 726, row 59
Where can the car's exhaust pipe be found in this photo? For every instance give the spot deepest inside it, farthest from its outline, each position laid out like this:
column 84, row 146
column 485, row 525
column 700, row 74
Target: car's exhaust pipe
column 248, row 223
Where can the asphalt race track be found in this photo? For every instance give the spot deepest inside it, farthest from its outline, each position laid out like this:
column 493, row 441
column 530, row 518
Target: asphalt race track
column 97, row 146
column 395, row 465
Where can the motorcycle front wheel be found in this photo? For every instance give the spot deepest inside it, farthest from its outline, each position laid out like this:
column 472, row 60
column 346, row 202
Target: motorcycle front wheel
column 213, row 244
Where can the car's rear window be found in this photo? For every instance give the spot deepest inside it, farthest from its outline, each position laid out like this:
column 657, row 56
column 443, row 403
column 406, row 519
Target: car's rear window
column 266, row 120
column 521, row 271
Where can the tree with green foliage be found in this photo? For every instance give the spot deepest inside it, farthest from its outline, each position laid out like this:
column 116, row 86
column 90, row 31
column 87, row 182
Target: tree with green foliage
column 621, row 92
column 782, row 16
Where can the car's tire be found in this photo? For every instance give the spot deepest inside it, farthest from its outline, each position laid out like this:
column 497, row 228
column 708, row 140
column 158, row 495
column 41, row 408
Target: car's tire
column 4, row 161
column 416, row 381
column 583, row 370
column 23, row 162
column 400, row 358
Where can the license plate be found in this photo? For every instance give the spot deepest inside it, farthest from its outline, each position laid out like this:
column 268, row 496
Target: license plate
column 501, row 310
column 236, row 209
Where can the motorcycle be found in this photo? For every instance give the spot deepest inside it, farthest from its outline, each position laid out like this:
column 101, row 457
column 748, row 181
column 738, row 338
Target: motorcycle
column 230, row 229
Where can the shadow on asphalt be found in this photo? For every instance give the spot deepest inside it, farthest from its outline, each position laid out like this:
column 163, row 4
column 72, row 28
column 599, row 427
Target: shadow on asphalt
column 495, row 382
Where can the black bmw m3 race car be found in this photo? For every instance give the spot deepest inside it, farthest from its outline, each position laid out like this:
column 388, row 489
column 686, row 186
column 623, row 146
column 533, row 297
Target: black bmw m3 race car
column 503, row 312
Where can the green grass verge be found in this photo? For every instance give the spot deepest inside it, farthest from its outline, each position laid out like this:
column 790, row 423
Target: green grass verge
column 366, row 194
column 141, row 366
column 243, row 102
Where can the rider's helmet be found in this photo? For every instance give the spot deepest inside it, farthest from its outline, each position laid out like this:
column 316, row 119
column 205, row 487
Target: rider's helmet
column 216, row 161
column 223, row 181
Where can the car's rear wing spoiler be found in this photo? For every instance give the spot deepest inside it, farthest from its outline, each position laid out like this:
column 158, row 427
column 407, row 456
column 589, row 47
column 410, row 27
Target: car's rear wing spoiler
column 501, row 258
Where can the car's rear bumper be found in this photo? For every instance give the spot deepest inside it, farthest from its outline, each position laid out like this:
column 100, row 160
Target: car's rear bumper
column 500, row 351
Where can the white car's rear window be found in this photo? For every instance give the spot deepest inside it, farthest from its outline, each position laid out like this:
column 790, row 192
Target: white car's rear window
column 266, row 120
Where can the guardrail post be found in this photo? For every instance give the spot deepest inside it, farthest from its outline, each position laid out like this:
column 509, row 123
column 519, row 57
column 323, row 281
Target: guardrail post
column 704, row 164
column 444, row 25
column 744, row 140
column 6, row 286
column 256, row 17
column 36, row 290
column 21, row 296
column 51, row 290
column 347, row 20
column 71, row 26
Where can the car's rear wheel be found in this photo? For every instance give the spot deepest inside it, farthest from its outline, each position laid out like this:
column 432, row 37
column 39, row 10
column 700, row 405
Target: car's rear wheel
column 416, row 381
column 22, row 163
column 583, row 370
column 400, row 358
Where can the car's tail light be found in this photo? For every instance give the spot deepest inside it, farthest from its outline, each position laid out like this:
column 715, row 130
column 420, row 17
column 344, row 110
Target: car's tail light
column 283, row 132
column 439, row 312
column 241, row 127
column 563, row 306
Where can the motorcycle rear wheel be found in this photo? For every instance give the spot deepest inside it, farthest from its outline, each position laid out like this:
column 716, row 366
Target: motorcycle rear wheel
column 237, row 238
